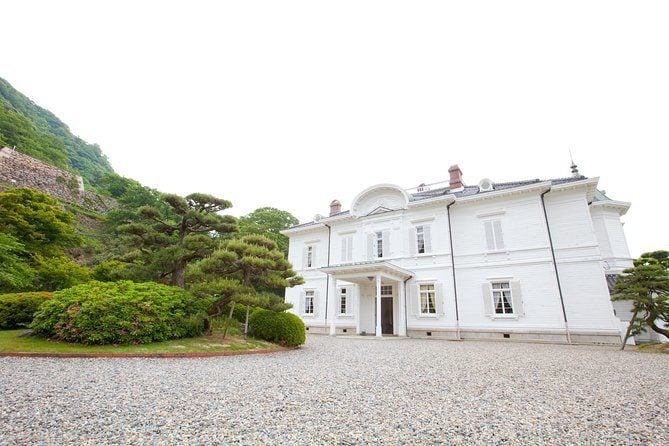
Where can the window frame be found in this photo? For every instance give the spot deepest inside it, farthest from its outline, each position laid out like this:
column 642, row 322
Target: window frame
column 343, row 301
column 497, row 238
column 379, row 244
column 431, row 310
column 309, row 295
column 310, row 257
column 505, row 287
column 420, row 238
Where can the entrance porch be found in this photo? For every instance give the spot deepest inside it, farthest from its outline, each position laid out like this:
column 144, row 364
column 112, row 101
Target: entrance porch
column 380, row 301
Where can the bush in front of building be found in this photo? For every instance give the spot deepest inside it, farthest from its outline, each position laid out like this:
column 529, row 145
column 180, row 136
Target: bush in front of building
column 123, row 312
column 17, row 309
column 281, row 328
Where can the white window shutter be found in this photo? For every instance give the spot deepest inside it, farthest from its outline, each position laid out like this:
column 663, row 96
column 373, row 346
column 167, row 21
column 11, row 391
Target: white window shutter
column 314, row 257
column 517, row 299
column 439, row 295
column 371, row 238
column 414, row 294
column 305, row 256
column 487, row 298
column 349, row 248
column 412, row 241
column 386, row 244
column 490, row 241
column 300, row 304
column 316, row 303
column 427, row 235
column 499, row 238
column 344, row 243
column 349, row 300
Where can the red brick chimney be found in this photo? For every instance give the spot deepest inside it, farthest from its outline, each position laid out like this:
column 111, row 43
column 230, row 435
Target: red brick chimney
column 335, row 207
column 456, row 177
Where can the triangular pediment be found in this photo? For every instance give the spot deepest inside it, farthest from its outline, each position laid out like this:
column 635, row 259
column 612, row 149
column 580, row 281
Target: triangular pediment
column 380, row 210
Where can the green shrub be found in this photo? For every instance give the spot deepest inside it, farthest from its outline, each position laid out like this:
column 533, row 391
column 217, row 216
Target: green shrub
column 19, row 308
column 121, row 313
column 281, row 328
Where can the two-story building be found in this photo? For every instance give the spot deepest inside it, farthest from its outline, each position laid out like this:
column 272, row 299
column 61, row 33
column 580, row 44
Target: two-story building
column 523, row 260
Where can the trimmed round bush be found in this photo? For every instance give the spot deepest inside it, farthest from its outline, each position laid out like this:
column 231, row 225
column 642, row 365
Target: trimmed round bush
column 121, row 313
column 281, row 328
column 18, row 309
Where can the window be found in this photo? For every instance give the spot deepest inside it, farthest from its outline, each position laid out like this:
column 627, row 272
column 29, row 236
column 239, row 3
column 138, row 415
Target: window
column 493, row 234
column 347, row 248
column 420, row 239
column 342, row 301
column 501, row 298
column 309, row 302
column 386, row 291
column 310, row 256
column 427, row 299
column 379, row 244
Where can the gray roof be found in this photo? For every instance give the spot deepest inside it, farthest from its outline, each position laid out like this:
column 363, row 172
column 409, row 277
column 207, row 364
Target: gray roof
column 468, row 191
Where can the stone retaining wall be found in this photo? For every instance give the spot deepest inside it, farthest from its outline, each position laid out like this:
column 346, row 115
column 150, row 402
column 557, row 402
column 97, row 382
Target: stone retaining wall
column 20, row 170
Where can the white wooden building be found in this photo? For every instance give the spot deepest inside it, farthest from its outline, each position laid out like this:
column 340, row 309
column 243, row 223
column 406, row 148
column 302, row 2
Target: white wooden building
column 525, row 260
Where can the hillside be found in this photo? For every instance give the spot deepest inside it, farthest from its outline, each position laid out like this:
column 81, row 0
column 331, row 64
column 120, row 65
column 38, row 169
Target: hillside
column 39, row 133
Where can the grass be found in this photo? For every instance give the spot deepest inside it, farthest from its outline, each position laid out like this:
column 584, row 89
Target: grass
column 654, row 347
column 11, row 341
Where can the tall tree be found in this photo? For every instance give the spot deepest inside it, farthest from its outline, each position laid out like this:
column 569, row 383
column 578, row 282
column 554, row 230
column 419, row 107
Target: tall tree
column 647, row 286
column 269, row 222
column 166, row 244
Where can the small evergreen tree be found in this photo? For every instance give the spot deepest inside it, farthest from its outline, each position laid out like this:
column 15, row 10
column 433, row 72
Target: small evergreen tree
column 647, row 286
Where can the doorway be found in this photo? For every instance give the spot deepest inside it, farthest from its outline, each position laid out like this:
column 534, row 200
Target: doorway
column 387, row 309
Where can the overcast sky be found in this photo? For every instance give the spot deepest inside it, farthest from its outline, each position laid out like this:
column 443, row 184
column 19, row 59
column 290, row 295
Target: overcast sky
column 292, row 104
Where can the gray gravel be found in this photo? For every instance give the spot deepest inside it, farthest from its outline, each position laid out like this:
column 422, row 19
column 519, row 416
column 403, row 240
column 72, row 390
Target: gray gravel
column 344, row 391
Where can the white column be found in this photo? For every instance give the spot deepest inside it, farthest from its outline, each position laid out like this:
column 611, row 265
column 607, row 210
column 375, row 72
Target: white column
column 403, row 314
column 357, row 309
column 333, row 304
column 378, row 305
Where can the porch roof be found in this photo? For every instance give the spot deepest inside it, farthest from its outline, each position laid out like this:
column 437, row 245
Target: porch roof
column 370, row 267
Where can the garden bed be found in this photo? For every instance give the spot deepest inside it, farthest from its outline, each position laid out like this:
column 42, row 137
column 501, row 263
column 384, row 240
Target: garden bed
column 13, row 344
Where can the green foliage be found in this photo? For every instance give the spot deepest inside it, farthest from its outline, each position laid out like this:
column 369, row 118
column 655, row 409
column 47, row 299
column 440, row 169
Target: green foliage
column 39, row 133
column 37, row 221
column 160, row 245
column 56, row 273
column 121, row 313
column 281, row 328
column 15, row 271
column 18, row 309
column 269, row 222
column 647, row 286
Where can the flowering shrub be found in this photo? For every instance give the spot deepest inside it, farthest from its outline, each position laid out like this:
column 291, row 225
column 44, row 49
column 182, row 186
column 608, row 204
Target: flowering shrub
column 18, row 308
column 121, row 313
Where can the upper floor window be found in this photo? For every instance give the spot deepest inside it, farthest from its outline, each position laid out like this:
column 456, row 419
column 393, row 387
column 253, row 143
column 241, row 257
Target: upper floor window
column 493, row 234
column 420, row 239
column 347, row 248
column 310, row 256
column 427, row 299
column 379, row 244
column 501, row 298
column 309, row 302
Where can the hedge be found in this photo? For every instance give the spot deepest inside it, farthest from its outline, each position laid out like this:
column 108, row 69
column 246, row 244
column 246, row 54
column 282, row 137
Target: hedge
column 121, row 313
column 281, row 328
column 18, row 309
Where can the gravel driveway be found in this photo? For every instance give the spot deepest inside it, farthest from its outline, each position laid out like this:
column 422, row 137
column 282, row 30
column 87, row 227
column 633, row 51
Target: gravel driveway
column 344, row 391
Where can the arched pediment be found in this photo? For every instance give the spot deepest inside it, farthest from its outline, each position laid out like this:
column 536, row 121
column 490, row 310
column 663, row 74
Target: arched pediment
column 378, row 199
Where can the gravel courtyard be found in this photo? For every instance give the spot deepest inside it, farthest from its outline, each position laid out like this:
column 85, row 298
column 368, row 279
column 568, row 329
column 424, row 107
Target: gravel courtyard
column 344, row 391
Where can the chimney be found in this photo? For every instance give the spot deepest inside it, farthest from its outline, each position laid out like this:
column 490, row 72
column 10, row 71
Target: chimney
column 456, row 177
column 335, row 207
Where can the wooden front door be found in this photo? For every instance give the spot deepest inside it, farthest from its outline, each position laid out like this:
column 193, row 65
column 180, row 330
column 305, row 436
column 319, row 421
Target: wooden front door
column 387, row 315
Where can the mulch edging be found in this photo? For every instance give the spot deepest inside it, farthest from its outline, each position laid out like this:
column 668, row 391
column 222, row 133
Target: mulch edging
column 144, row 355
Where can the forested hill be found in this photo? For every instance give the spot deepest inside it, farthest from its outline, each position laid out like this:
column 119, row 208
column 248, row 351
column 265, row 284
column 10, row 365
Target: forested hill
column 39, row 133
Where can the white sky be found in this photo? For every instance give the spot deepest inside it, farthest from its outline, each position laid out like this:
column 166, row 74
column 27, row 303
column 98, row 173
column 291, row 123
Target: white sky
column 292, row 104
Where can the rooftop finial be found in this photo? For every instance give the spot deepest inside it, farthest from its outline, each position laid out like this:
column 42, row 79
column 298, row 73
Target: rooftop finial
column 574, row 167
